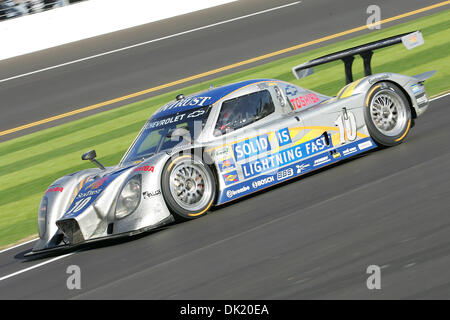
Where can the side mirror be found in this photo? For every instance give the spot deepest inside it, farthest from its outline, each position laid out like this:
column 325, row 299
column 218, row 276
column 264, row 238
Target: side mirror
column 91, row 155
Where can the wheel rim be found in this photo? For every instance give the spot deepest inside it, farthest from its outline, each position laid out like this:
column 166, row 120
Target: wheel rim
column 190, row 185
column 388, row 113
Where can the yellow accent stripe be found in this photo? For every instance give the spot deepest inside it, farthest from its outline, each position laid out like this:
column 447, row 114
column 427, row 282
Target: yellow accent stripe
column 370, row 94
column 359, row 134
column 340, row 91
column 78, row 188
column 175, row 161
column 200, row 213
column 225, row 68
column 314, row 133
column 407, row 129
column 336, row 139
column 349, row 91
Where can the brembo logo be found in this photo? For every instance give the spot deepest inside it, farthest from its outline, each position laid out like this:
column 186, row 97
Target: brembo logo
column 231, row 193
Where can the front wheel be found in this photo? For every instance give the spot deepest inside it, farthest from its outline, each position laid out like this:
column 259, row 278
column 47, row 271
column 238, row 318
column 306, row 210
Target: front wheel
column 188, row 187
column 387, row 114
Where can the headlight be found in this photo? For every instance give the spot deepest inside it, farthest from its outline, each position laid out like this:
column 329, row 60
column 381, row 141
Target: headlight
column 129, row 197
column 42, row 217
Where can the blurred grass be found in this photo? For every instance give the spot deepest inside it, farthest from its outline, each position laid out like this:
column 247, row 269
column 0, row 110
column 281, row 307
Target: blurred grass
column 29, row 164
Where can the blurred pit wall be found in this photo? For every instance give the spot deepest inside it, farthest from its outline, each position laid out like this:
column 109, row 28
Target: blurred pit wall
column 87, row 19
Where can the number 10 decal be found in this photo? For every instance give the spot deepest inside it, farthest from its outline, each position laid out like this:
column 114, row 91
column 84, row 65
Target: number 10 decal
column 346, row 123
column 80, row 204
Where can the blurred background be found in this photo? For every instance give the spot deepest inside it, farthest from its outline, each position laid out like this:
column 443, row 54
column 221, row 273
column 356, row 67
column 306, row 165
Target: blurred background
column 15, row 8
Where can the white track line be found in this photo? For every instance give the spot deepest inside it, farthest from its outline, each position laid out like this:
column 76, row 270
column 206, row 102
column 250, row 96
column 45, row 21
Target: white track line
column 150, row 41
column 35, row 266
column 441, row 96
column 18, row 245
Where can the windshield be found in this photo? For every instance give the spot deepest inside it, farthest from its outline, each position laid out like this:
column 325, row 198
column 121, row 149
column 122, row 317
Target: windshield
column 157, row 133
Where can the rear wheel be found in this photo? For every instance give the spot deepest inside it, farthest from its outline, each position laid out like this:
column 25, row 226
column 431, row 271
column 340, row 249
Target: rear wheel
column 188, row 187
column 387, row 114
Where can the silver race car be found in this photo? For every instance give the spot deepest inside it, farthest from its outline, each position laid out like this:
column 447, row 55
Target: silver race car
column 222, row 144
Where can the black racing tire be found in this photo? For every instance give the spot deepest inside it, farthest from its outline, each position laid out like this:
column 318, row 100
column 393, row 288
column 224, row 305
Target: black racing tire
column 188, row 186
column 387, row 114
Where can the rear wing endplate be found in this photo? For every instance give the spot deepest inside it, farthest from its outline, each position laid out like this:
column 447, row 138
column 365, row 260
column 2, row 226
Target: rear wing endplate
column 410, row 40
column 424, row 76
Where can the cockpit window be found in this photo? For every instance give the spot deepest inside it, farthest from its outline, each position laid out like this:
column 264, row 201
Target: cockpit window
column 241, row 111
column 157, row 135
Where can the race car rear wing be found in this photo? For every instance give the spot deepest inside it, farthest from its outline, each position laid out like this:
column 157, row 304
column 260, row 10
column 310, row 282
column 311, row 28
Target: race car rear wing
column 410, row 40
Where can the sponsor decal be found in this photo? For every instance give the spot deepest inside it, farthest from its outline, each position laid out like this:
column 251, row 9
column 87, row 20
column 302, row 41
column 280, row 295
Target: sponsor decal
column 284, row 174
column 232, row 193
column 176, row 118
column 291, row 90
column 283, row 137
column 145, row 169
column 54, row 189
column 251, row 147
column 196, row 113
column 377, row 78
column 365, row 145
column 416, row 88
column 231, row 177
column 148, row 194
column 187, row 102
column 227, row 164
column 262, row 182
column 321, row 161
column 295, row 169
column 302, row 167
column 413, row 40
column 96, row 184
column 160, row 123
column 90, row 193
column 348, row 151
column 285, row 157
column 222, row 153
column 305, row 100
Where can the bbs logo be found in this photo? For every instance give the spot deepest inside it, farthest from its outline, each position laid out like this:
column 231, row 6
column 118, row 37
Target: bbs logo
column 285, row 174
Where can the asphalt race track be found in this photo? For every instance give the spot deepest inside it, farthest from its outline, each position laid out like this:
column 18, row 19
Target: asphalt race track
column 42, row 95
column 310, row 238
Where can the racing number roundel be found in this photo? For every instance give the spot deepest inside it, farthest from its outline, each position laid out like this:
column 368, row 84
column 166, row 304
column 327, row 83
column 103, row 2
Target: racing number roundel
column 80, row 204
column 346, row 123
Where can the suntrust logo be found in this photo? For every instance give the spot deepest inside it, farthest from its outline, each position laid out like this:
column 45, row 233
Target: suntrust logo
column 232, row 193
